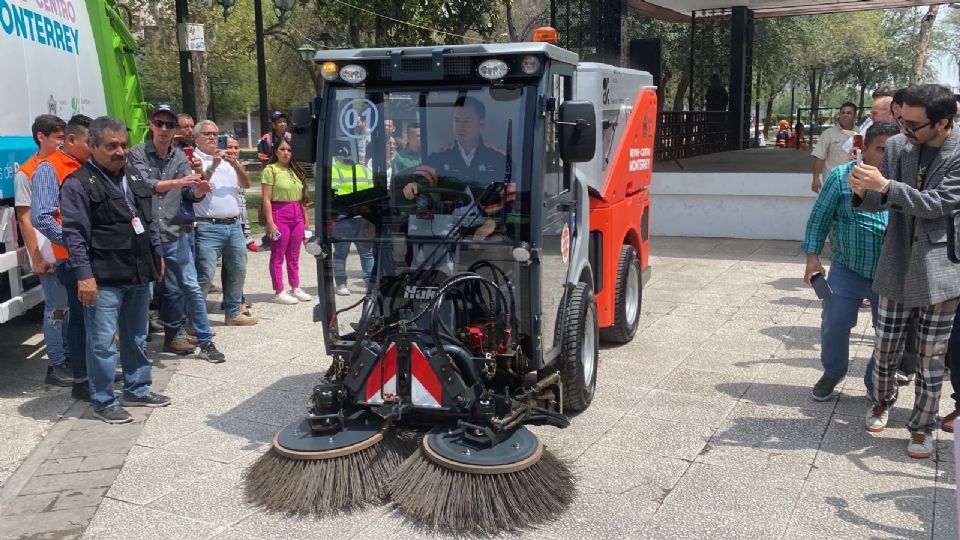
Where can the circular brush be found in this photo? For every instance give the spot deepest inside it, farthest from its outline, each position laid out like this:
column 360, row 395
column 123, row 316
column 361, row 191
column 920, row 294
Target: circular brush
column 304, row 472
column 455, row 483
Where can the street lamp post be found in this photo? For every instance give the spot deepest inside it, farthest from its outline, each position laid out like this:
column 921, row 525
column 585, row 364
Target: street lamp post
column 261, row 66
column 186, row 69
column 282, row 8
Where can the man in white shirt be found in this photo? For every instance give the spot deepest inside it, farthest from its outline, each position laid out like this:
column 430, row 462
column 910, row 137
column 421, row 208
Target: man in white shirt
column 219, row 231
column 828, row 152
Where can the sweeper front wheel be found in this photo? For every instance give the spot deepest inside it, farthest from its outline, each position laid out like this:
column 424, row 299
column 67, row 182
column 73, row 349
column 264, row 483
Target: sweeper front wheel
column 307, row 472
column 628, row 298
column 579, row 354
column 456, row 483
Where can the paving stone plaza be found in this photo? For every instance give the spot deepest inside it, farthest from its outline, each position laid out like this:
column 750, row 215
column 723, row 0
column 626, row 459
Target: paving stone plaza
column 702, row 427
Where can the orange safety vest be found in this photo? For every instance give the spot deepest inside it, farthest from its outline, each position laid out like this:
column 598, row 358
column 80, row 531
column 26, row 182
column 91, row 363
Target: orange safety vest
column 64, row 166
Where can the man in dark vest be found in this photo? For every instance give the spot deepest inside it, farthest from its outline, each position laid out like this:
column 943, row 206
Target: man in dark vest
column 114, row 249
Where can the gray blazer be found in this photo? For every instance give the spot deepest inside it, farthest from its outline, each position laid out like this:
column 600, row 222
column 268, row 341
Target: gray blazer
column 914, row 268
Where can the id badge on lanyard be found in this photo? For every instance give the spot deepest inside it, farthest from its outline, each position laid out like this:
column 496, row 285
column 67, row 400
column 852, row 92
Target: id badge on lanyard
column 135, row 222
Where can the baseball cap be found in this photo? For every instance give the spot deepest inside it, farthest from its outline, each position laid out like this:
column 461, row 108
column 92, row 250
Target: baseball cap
column 163, row 107
column 276, row 115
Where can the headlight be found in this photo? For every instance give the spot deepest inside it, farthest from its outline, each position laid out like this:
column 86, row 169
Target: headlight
column 353, row 73
column 530, row 64
column 493, row 69
column 329, row 71
column 521, row 253
column 314, row 248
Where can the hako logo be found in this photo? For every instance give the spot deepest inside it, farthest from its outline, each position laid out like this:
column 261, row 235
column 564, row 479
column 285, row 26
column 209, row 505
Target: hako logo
column 414, row 292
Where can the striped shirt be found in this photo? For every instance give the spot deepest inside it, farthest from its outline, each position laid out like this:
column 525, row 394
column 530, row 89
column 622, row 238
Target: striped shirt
column 857, row 236
column 45, row 189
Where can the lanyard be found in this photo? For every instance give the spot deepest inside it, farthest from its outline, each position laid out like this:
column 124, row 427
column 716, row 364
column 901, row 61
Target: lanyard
column 124, row 186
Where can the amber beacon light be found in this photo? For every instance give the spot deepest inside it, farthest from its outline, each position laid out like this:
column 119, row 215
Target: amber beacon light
column 545, row 34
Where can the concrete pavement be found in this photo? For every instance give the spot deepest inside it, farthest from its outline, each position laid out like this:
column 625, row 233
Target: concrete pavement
column 702, row 427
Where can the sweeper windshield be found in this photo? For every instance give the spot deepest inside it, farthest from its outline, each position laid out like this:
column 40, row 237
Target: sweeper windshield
column 418, row 185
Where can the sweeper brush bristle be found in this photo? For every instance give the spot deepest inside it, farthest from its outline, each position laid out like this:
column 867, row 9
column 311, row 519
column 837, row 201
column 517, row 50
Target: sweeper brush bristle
column 323, row 486
column 482, row 503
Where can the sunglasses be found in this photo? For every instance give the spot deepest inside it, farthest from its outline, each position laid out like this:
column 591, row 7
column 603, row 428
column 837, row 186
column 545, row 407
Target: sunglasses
column 910, row 128
column 165, row 124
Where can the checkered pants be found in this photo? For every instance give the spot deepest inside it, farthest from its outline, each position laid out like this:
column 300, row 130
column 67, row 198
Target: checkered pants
column 933, row 333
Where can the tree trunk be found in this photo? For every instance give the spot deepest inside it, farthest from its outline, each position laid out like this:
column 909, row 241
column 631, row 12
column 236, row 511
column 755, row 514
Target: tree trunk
column 665, row 79
column 508, row 8
column 767, row 119
column 679, row 97
column 814, row 98
column 923, row 40
column 863, row 95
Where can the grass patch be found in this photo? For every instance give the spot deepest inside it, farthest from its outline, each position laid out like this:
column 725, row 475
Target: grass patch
column 253, row 212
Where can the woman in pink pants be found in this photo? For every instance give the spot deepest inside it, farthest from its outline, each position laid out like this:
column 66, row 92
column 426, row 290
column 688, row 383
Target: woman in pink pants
column 284, row 204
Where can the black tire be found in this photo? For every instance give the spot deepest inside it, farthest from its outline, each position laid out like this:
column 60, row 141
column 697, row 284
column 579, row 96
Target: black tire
column 627, row 315
column 580, row 335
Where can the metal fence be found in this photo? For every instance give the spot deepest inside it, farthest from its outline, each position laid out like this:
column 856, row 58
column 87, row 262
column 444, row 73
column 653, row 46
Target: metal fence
column 684, row 134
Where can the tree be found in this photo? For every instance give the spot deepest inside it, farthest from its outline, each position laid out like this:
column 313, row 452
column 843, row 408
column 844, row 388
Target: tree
column 675, row 47
column 923, row 41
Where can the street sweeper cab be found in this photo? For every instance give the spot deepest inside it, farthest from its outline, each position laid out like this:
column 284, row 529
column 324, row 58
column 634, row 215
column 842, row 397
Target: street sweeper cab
column 482, row 223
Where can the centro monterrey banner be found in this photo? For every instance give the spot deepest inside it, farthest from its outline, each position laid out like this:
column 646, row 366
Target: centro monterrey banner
column 50, row 65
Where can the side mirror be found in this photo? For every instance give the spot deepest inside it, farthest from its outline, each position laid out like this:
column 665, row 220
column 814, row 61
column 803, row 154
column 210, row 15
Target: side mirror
column 303, row 135
column 578, row 131
column 953, row 236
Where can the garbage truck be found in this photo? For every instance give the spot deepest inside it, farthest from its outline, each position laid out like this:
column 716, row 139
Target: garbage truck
column 65, row 57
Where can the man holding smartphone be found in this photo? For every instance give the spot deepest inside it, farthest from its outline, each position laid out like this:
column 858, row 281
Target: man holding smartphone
column 855, row 249
column 174, row 176
column 919, row 186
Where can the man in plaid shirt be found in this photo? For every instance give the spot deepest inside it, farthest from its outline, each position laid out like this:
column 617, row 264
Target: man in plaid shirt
column 856, row 239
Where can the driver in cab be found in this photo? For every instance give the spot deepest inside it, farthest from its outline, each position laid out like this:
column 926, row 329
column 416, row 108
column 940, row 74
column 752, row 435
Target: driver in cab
column 466, row 162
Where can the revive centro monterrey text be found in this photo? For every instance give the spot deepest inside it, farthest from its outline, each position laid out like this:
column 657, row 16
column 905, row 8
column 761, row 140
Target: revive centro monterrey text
column 37, row 27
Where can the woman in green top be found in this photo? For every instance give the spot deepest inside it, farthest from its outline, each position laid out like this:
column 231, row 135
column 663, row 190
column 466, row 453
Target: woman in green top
column 284, row 204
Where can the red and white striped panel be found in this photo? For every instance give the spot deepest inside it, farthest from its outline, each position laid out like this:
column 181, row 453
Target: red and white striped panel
column 382, row 382
column 426, row 390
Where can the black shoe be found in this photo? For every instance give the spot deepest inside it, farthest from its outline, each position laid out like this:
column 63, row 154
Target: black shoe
column 117, row 376
column 113, row 415
column 81, row 391
column 149, row 400
column 59, row 375
column 210, row 353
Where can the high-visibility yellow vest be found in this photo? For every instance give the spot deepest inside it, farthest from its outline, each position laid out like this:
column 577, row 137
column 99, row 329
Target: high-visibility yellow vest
column 350, row 178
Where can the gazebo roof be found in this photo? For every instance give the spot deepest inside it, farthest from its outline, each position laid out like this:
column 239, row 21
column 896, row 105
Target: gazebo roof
column 680, row 10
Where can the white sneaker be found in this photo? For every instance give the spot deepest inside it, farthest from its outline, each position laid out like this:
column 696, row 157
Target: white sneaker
column 284, row 297
column 876, row 419
column 301, row 295
column 342, row 290
column 920, row 445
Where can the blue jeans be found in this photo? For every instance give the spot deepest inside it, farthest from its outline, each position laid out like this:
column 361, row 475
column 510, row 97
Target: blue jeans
column 127, row 306
column 76, row 328
column 213, row 241
column 351, row 228
column 182, row 296
column 54, row 323
column 839, row 316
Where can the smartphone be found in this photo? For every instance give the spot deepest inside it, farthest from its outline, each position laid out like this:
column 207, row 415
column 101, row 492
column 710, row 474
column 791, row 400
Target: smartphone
column 188, row 150
column 820, row 286
column 858, row 140
column 276, row 235
column 859, row 153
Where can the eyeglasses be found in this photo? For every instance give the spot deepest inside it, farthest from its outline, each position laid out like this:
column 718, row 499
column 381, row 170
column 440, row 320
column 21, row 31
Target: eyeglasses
column 910, row 128
column 165, row 124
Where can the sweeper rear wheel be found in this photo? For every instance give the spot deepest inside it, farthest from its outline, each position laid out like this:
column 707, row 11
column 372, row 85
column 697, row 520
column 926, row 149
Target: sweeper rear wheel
column 455, row 483
column 628, row 298
column 579, row 355
column 305, row 472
